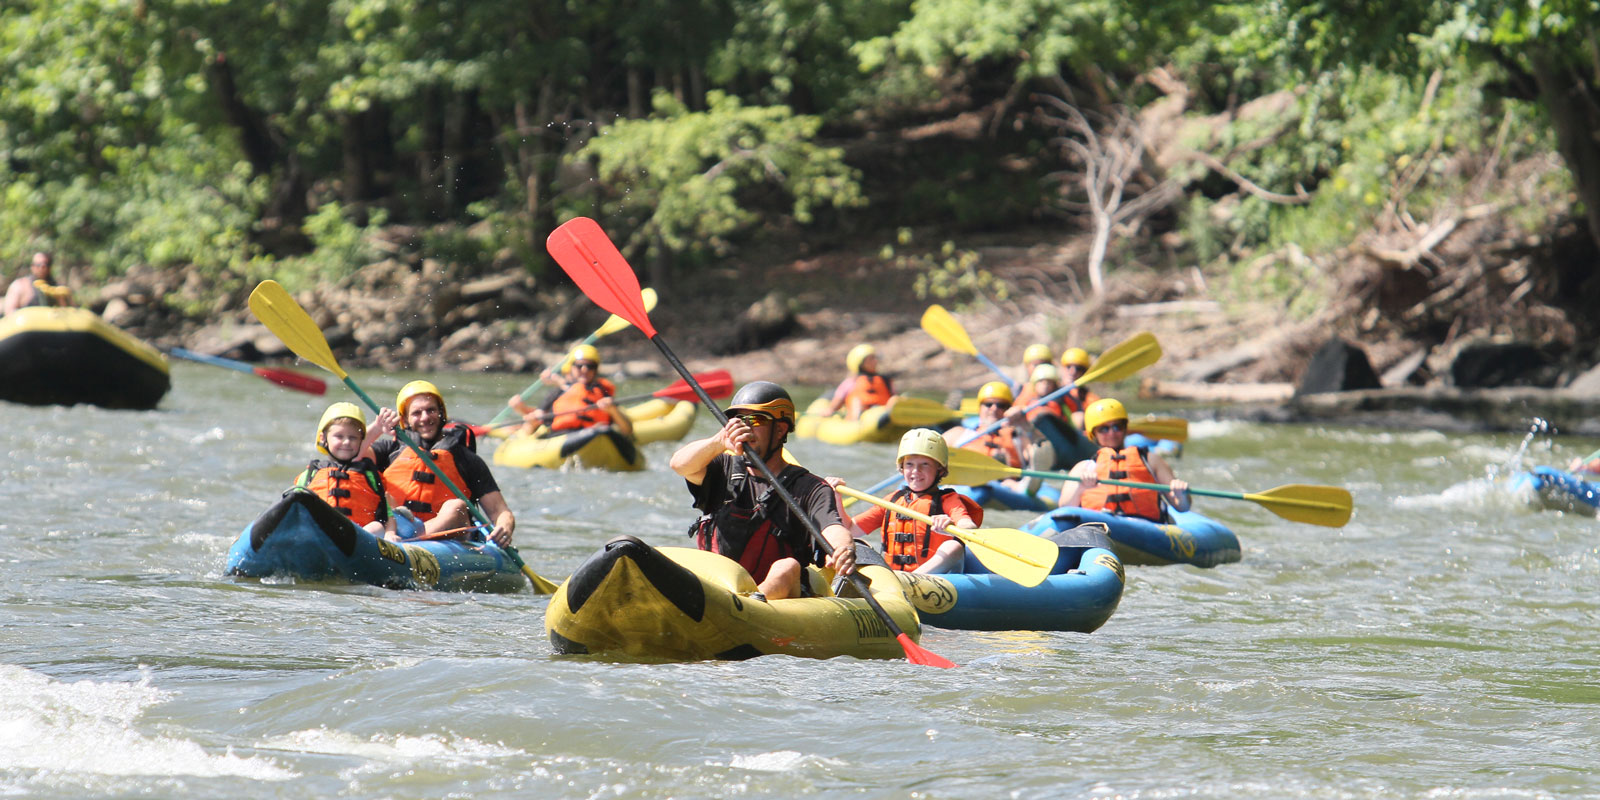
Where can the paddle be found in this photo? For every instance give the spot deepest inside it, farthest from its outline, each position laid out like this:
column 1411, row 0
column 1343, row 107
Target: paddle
column 588, row 256
column 1328, row 506
column 1171, row 428
column 612, row 324
column 1122, row 361
column 943, row 327
column 915, row 412
column 282, row 377
column 1021, row 558
column 718, row 383
column 289, row 322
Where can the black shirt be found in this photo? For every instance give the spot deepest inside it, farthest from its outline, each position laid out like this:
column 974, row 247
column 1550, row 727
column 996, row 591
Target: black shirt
column 815, row 497
column 474, row 471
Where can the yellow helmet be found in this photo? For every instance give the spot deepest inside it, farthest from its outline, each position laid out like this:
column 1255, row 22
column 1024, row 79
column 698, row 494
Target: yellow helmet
column 1037, row 352
column 1075, row 357
column 336, row 412
column 924, row 442
column 585, row 352
column 412, row 389
column 996, row 390
column 1045, row 372
column 857, row 355
column 1101, row 412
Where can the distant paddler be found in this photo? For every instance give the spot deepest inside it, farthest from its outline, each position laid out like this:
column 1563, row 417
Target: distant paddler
column 583, row 400
column 421, row 410
column 1107, row 421
column 741, row 517
column 1011, row 443
column 38, row 287
column 864, row 388
column 1035, row 355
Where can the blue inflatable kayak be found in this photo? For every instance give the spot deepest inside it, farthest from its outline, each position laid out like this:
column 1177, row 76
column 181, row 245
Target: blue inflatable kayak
column 1559, row 488
column 1191, row 538
column 1080, row 594
column 303, row 538
column 996, row 494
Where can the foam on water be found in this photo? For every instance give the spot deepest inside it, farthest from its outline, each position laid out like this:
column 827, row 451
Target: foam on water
column 59, row 729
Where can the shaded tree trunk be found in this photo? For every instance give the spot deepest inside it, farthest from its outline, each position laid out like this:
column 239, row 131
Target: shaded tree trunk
column 260, row 144
column 1574, row 110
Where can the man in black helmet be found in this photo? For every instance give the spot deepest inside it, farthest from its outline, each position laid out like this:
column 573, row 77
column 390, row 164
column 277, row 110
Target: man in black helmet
column 741, row 517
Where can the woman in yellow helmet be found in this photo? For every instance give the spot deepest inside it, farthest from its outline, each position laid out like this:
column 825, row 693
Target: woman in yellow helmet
column 1107, row 422
column 453, row 449
column 1011, row 442
column 585, row 401
column 346, row 478
column 1074, row 363
column 909, row 545
column 864, row 388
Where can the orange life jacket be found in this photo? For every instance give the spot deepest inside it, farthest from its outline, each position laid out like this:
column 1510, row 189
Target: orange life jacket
column 747, row 535
column 1000, row 445
column 578, row 396
column 354, row 489
column 1078, row 399
column 1129, row 464
column 421, row 490
column 909, row 543
column 1052, row 407
column 871, row 389
column 1026, row 395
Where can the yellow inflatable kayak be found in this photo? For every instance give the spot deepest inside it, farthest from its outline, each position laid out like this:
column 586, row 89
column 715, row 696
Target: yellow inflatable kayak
column 70, row 355
column 874, row 425
column 600, row 447
column 682, row 604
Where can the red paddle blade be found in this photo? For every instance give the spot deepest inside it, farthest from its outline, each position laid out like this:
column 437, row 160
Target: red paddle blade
column 292, row 380
column 927, row 658
column 589, row 258
column 717, row 383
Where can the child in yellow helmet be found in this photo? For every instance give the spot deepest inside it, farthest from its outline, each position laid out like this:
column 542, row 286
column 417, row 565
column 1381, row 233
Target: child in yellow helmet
column 909, row 545
column 348, row 479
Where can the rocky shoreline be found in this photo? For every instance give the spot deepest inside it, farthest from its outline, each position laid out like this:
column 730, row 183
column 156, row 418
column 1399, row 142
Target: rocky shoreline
column 795, row 326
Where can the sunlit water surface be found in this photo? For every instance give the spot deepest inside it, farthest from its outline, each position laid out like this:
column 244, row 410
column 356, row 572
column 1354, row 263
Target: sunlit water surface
column 1441, row 645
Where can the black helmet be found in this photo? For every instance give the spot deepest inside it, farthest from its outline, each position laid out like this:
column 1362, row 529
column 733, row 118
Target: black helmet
column 764, row 397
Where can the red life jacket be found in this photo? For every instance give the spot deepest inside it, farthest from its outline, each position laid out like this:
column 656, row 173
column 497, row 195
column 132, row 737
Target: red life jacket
column 579, row 396
column 747, row 534
column 1078, row 399
column 909, row 543
column 1052, row 407
column 410, row 479
column 1000, row 445
column 1129, row 464
column 871, row 389
column 354, row 489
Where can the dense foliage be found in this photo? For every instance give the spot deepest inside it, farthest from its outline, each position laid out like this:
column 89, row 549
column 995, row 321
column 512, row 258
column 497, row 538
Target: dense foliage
column 249, row 138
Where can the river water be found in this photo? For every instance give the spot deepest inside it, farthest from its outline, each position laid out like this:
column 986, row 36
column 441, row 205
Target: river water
column 1441, row 645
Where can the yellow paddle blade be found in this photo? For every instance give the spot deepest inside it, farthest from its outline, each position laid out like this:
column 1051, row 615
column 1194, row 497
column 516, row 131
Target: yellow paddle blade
column 1123, row 360
column 1329, row 506
column 915, row 412
column 1171, row 428
column 288, row 321
column 943, row 327
column 541, row 584
column 616, row 323
column 1022, row 558
column 969, row 406
column 971, row 468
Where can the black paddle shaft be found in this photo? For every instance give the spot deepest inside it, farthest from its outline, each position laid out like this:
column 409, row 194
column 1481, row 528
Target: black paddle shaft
column 794, row 505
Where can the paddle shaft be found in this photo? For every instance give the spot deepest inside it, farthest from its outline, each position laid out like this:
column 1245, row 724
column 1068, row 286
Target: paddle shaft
column 284, row 378
column 853, row 577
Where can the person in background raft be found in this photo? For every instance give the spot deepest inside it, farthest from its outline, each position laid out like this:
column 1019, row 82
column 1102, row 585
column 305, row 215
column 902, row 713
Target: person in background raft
column 454, row 449
column 1010, row 444
column 38, row 287
column 910, row 545
column 1075, row 362
column 586, row 401
column 1589, row 464
column 741, row 517
column 864, row 388
column 1032, row 357
column 1108, row 427
column 1044, row 380
column 347, row 478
